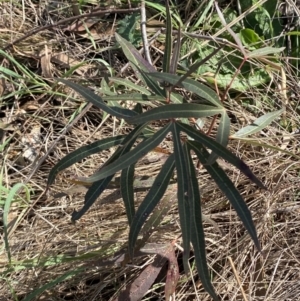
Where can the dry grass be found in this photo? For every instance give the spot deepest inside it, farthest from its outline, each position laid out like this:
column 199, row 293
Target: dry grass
column 44, row 244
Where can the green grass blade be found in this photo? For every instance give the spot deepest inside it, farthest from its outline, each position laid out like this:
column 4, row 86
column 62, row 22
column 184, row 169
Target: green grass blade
column 182, row 195
column 222, row 135
column 197, row 232
column 129, row 84
column 10, row 73
column 131, row 157
column 171, row 111
column 259, row 124
column 81, row 153
column 168, row 40
column 127, row 191
column 221, row 151
column 152, row 198
column 190, row 85
column 51, row 284
column 97, row 101
column 228, row 188
column 10, row 197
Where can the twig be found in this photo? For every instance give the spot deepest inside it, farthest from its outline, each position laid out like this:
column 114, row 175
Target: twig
column 144, row 32
column 237, row 278
column 88, row 15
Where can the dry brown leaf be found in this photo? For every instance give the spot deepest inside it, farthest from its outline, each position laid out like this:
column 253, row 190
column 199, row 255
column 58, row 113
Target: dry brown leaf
column 94, row 29
column 136, row 290
column 2, row 86
column 64, row 60
column 67, row 62
column 45, row 56
column 81, row 25
column 172, row 275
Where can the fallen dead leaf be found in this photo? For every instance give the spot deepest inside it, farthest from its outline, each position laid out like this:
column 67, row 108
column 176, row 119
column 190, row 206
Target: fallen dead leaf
column 67, row 62
column 45, row 56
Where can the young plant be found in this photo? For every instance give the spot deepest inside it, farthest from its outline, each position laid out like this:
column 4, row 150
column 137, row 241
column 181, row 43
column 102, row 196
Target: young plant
column 163, row 103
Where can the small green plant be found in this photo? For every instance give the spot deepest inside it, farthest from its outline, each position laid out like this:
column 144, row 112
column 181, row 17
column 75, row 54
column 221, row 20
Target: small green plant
column 162, row 102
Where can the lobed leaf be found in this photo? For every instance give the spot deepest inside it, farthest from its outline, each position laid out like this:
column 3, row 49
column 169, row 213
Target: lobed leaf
column 152, row 198
column 221, row 151
column 184, row 110
column 182, row 195
column 228, row 188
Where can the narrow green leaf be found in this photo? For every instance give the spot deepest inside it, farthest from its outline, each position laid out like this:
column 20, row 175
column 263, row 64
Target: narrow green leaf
column 228, row 188
column 264, row 51
column 182, row 195
column 98, row 187
column 168, row 39
column 222, row 135
column 140, row 65
column 152, row 198
column 81, row 153
column 97, row 101
column 220, row 151
column 131, row 157
column 171, row 111
column 93, row 193
column 176, row 54
column 127, row 191
column 197, row 232
column 133, row 55
column 190, row 85
column 196, row 66
column 136, row 97
column 130, row 84
column 259, row 124
column 150, row 83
